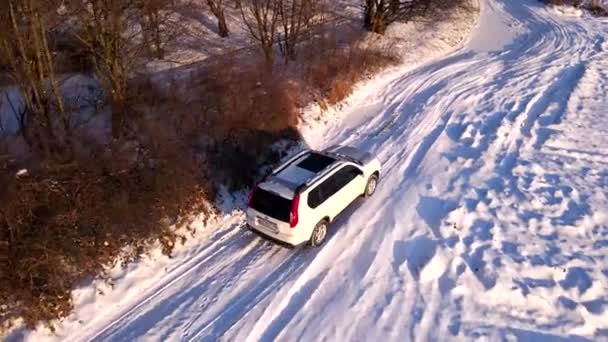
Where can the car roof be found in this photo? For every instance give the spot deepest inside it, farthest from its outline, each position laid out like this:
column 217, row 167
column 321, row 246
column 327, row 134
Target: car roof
column 299, row 172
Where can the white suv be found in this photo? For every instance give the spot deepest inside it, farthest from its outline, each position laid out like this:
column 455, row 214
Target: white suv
column 295, row 203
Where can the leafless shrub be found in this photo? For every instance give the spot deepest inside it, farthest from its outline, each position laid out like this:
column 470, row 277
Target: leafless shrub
column 62, row 222
column 296, row 20
column 378, row 14
column 331, row 69
column 158, row 26
column 71, row 55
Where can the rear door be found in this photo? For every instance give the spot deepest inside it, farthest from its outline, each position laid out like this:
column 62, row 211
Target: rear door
column 271, row 211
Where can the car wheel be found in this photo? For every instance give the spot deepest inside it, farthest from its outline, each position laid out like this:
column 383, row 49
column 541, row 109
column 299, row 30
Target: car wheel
column 371, row 185
column 319, row 234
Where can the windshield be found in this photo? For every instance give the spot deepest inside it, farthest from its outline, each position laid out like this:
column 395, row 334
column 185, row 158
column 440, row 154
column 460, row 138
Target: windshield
column 271, row 204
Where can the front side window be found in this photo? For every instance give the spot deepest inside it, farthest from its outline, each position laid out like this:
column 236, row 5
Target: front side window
column 348, row 174
column 345, row 176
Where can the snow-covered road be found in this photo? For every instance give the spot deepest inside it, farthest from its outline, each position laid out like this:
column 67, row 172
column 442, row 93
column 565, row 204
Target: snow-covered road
column 491, row 220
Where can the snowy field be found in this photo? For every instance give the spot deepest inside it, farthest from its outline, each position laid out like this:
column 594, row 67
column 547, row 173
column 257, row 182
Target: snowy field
column 490, row 221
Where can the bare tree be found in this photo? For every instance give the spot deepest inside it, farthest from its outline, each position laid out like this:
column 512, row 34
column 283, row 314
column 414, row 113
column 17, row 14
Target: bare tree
column 114, row 49
column 217, row 8
column 295, row 19
column 378, row 14
column 23, row 41
column 156, row 25
column 261, row 18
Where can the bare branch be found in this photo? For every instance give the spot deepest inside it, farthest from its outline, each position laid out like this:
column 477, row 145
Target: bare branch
column 261, row 19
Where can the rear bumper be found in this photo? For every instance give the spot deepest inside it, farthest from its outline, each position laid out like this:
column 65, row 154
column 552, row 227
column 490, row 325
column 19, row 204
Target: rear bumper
column 288, row 244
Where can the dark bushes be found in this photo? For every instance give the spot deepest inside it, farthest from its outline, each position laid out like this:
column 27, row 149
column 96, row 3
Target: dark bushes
column 241, row 111
column 593, row 6
column 60, row 223
column 598, row 10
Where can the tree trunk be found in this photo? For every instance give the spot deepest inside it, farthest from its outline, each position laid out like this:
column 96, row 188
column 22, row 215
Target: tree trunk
column 269, row 59
column 368, row 17
column 222, row 27
column 158, row 42
column 118, row 119
column 217, row 9
column 375, row 16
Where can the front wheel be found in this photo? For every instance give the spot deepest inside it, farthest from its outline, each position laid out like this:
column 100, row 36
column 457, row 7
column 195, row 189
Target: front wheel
column 370, row 187
column 319, row 234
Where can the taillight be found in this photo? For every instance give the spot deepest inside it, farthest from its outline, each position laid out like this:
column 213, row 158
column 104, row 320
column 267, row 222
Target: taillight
column 251, row 194
column 293, row 215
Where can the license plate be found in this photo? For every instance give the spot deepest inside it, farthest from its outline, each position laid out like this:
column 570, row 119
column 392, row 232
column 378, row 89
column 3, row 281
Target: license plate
column 267, row 224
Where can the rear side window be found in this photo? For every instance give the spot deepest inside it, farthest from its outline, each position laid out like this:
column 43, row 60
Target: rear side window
column 271, row 204
column 315, row 198
column 332, row 185
column 323, row 191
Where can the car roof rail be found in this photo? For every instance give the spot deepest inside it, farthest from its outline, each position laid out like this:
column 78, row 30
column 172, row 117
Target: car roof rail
column 289, row 162
column 333, row 151
column 329, row 168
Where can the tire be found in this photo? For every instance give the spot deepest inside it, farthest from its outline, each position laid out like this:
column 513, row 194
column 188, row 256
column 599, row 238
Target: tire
column 319, row 234
column 370, row 186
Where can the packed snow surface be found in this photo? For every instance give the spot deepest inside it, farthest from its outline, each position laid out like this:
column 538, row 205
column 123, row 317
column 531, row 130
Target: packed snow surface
column 490, row 221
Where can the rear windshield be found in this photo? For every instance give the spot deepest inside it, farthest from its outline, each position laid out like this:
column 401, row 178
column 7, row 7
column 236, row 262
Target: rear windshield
column 272, row 205
column 316, row 162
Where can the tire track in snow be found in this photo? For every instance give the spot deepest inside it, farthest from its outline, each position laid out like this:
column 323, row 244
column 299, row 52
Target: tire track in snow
column 558, row 92
column 214, row 328
column 182, row 271
column 237, row 246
